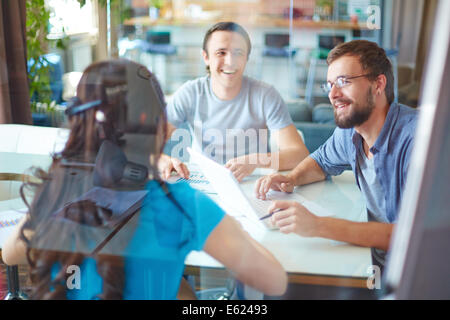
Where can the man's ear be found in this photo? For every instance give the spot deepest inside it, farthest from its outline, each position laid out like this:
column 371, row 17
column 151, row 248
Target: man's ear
column 381, row 82
column 205, row 57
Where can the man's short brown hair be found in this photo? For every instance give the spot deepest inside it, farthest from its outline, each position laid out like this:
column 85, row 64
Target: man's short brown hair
column 227, row 26
column 372, row 58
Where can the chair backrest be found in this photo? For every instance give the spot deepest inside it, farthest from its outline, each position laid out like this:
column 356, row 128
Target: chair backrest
column 299, row 110
column 323, row 113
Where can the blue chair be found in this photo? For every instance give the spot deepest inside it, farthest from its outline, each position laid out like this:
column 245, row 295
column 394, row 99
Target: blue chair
column 317, row 124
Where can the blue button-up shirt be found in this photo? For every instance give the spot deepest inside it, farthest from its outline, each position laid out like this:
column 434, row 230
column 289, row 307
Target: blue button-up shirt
column 391, row 152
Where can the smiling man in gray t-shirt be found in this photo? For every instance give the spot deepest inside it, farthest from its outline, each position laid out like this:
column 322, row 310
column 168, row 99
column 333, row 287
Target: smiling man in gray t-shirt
column 217, row 125
column 229, row 114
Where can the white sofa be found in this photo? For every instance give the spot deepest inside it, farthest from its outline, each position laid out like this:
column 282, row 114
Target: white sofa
column 21, row 147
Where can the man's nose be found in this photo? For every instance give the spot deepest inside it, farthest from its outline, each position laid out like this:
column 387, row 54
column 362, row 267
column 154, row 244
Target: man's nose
column 334, row 93
column 229, row 58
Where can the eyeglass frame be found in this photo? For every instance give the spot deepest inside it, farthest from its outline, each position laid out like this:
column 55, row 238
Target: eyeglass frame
column 328, row 86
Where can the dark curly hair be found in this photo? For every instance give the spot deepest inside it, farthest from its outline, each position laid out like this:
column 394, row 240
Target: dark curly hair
column 46, row 217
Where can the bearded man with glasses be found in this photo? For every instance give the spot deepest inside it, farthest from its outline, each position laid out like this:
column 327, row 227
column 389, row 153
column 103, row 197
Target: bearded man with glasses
column 374, row 137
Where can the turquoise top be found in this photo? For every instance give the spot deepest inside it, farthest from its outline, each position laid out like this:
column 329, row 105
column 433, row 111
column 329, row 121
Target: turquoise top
column 155, row 255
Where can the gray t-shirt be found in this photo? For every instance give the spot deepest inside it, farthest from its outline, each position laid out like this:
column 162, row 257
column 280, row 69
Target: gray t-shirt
column 373, row 194
column 223, row 130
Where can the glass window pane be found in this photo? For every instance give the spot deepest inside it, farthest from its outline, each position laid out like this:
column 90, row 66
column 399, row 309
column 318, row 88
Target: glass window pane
column 290, row 41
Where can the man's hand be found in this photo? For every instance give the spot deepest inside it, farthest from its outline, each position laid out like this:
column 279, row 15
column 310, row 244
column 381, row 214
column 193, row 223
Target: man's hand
column 240, row 167
column 276, row 181
column 167, row 164
column 292, row 217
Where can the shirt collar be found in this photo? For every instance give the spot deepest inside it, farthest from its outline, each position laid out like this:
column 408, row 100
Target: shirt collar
column 382, row 142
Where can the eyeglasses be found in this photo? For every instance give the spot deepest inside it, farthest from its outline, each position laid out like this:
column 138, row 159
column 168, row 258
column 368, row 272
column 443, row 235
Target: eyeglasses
column 340, row 82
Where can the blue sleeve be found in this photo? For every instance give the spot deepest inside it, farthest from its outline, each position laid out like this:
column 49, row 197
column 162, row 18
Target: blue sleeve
column 209, row 215
column 275, row 110
column 407, row 147
column 333, row 155
column 174, row 225
column 205, row 214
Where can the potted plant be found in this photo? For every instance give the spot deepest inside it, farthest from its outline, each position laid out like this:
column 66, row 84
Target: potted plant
column 154, row 8
column 37, row 46
column 325, row 8
column 43, row 99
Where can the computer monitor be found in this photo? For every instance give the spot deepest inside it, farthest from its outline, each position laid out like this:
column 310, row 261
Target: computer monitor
column 419, row 263
column 277, row 45
column 327, row 43
column 158, row 37
column 276, row 40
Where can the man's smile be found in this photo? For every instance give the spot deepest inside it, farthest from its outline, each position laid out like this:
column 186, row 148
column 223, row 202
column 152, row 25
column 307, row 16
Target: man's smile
column 341, row 104
column 229, row 72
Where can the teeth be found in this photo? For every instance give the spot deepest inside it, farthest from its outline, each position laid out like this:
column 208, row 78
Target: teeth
column 228, row 72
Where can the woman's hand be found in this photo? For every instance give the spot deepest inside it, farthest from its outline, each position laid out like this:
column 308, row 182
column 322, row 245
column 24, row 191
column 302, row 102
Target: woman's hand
column 167, row 164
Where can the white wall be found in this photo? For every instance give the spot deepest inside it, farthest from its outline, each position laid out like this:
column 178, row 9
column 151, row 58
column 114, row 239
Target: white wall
column 406, row 23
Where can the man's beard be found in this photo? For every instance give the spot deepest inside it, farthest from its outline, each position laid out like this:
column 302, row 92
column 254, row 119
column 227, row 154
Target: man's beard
column 358, row 115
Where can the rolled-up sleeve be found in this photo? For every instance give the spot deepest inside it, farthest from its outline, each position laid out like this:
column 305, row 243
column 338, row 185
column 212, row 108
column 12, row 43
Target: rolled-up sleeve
column 334, row 155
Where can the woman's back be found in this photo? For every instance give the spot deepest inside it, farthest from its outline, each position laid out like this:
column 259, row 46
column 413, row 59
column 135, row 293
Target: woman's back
column 117, row 132
column 159, row 238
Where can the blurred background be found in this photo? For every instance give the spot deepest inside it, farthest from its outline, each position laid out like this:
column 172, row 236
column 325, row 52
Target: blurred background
column 290, row 40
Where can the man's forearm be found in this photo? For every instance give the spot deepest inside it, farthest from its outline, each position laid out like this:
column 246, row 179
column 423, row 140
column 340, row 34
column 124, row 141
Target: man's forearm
column 306, row 172
column 281, row 160
column 364, row 234
column 290, row 158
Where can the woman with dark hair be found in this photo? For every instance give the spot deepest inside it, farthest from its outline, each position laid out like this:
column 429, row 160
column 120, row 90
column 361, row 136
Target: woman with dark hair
column 103, row 210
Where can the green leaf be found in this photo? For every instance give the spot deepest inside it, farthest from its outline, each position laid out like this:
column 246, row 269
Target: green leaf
column 36, row 32
column 82, row 3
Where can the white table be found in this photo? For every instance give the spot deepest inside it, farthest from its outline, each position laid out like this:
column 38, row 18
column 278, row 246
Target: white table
column 13, row 167
column 307, row 260
column 313, row 260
